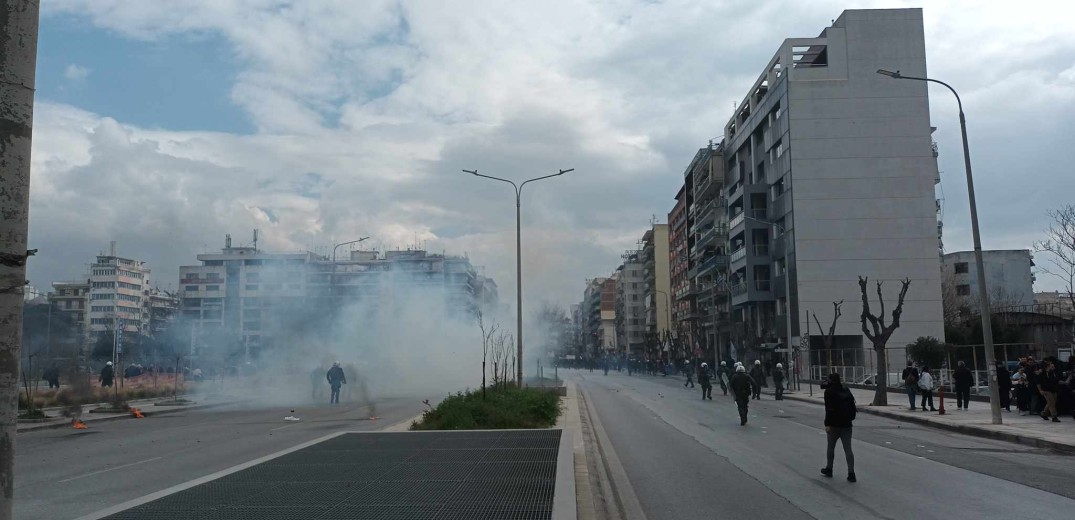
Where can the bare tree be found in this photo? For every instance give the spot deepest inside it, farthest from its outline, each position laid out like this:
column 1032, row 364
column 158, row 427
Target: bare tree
column 880, row 333
column 1060, row 245
column 827, row 339
column 487, row 336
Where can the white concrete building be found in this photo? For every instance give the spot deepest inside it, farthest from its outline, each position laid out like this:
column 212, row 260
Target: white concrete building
column 830, row 175
column 630, row 304
column 1009, row 278
column 118, row 289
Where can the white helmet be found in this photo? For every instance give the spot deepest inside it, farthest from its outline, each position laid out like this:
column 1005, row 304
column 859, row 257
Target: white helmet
column 778, row 365
column 740, row 368
column 704, row 364
column 108, row 364
column 336, row 364
column 723, row 363
column 757, row 361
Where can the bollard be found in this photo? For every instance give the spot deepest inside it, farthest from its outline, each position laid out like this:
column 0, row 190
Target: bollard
column 940, row 395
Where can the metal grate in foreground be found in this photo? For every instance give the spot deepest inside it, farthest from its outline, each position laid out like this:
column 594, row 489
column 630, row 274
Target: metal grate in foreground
column 501, row 475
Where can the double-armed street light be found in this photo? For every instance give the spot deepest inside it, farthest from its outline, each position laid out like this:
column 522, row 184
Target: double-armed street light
column 518, row 262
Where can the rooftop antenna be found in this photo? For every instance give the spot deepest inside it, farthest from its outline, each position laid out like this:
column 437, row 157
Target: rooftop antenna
column 255, row 240
column 227, row 241
column 112, row 248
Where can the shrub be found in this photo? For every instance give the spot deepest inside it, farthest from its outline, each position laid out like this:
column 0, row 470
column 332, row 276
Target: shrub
column 502, row 408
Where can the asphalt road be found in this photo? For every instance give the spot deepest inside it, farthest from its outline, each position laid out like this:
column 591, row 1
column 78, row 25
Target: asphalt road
column 688, row 458
column 68, row 473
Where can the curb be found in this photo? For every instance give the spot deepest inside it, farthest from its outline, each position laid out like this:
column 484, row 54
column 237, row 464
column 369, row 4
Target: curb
column 90, row 420
column 957, row 428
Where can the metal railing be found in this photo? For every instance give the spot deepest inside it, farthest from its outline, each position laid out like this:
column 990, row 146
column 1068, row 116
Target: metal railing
column 739, row 288
column 738, row 254
column 736, row 220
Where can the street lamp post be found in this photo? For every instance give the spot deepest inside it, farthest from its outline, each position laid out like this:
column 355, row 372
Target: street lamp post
column 983, row 296
column 518, row 262
column 332, row 283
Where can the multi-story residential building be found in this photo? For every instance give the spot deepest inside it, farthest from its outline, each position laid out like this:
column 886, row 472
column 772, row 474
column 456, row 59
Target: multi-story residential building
column 630, row 305
column 118, row 289
column 1009, row 278
column 830, row 174
column 655, row 270
column 607, row 334
column 709, row 252
column 680, row 266
column 590, row 315
column 72, row 298
column 163, row 307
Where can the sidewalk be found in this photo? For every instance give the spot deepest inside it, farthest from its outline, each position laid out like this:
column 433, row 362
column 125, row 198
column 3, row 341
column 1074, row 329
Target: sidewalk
column 1029, row 430
column 146, row 406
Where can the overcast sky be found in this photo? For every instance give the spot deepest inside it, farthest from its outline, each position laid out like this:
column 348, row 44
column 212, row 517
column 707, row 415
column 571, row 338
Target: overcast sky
column 164, row 125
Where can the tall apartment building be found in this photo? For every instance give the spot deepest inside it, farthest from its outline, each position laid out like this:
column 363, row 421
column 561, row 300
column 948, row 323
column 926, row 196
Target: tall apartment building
column 830, row 174
column 1009, row 278
column 630, row 305
column 118, row 288
column 709, row 253
column 655, row 270
column 72, row 298
column 680, row 266
column 590, row 316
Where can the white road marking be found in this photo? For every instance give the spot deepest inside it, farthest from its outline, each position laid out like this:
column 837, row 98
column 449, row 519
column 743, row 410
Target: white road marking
column 282, row 427
column 109, row 469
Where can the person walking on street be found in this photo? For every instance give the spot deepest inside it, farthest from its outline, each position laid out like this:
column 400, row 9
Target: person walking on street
column 778, row 381
column 910, row 382
column 107, row 375
column 840, row 411
column 1004, row 383
column 963, row 380
column 704, row 382
column 336, row 378
column 742, row 387
column 722, row 376
column 1048, row 384
column 1022, row 391
column 758, row 375
column 690, row 375
column 926, row 385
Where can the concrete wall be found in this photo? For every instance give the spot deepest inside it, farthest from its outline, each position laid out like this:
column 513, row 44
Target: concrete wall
column 863, row 172
column 662, row 275
column 1008, row 276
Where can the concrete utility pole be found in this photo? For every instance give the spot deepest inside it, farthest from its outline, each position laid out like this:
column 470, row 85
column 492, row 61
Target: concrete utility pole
column 18, row 61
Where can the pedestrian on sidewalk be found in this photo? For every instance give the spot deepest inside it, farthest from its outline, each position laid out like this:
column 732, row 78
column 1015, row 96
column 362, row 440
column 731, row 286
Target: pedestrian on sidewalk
column 742, row 387
column 758, row 375
column 927, row 385
column 1048, row 383
column 690, row 375
column 704, row 381
column 107, row 375
column 336, row 378
column 910, row 382
column 723, row 375
column 840, row 411
column 1022, row 391
column 963, row 380
column 1033, row 371
column 1004, row 383
column 778, row 381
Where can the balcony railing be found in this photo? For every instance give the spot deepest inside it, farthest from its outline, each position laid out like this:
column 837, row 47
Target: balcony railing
column 759, row 213
column 738, row 254
column 713, row 261
column 763, row 285
column 736, row 220
column 739, row 288
column 761, row 249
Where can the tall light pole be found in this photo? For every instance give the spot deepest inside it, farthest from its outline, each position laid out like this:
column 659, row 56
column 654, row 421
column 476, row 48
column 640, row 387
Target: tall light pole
column 332, row 283
column 518, row 262
column 983, row 296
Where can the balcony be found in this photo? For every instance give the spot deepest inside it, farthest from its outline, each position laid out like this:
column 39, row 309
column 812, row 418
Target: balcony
column 712, row 262
column 759, row 213
column 711, row 233
column 739, row 289
column 761, row 249
column 738, row 254
column 701, row 186
column 736, row 220
column 763, row 285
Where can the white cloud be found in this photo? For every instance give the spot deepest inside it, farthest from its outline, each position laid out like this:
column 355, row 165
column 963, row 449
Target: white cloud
column 385, row 102
column 76, row 73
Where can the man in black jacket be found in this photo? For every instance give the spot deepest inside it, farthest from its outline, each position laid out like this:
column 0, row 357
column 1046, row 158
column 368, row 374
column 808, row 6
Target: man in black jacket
column 1004, row 383
column 758, row 375
column 963, row 380
column 839, row 413
column 336, row 378
column 778, row 381
column 910, row 382
column 742, row 388
column 704, row 382
column 1048, row 383
column 107, row 375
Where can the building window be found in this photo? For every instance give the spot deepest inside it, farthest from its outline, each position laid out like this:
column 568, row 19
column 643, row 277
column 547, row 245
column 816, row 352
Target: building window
column 253, row 277
column 190, row 288
column 251, row 287
column 963, row 290
column 962, row 268
column 212, row 287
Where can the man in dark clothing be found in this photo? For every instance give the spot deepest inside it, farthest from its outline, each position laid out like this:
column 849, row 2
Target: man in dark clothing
column 1004, row 383
column 723, row 375
column 742, row 387
column 1048, row 384
column 839, row 413
column 758, row 375
column 963, row 380
column 107, row 375
column 52, row 376
column 689, row 373
column 778, row 381
column 703, row 381
column 910, row 382
column 335, row 378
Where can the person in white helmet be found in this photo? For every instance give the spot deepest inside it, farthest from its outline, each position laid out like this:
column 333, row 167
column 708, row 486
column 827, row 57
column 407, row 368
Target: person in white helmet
column 704, row 381
column 778, row 381
column 336, row 378
column 107, row 375
column 758, row 375
column 689, row 372
column 742, row 387
column 723, row 375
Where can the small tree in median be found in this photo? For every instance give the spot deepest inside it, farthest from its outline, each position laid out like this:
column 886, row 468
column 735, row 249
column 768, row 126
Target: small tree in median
column 880, row 333
column 827, row 339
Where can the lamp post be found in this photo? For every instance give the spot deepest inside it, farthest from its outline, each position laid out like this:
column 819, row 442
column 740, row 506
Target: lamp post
column 518, row 262
column 332, row 283
column 983, row 296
